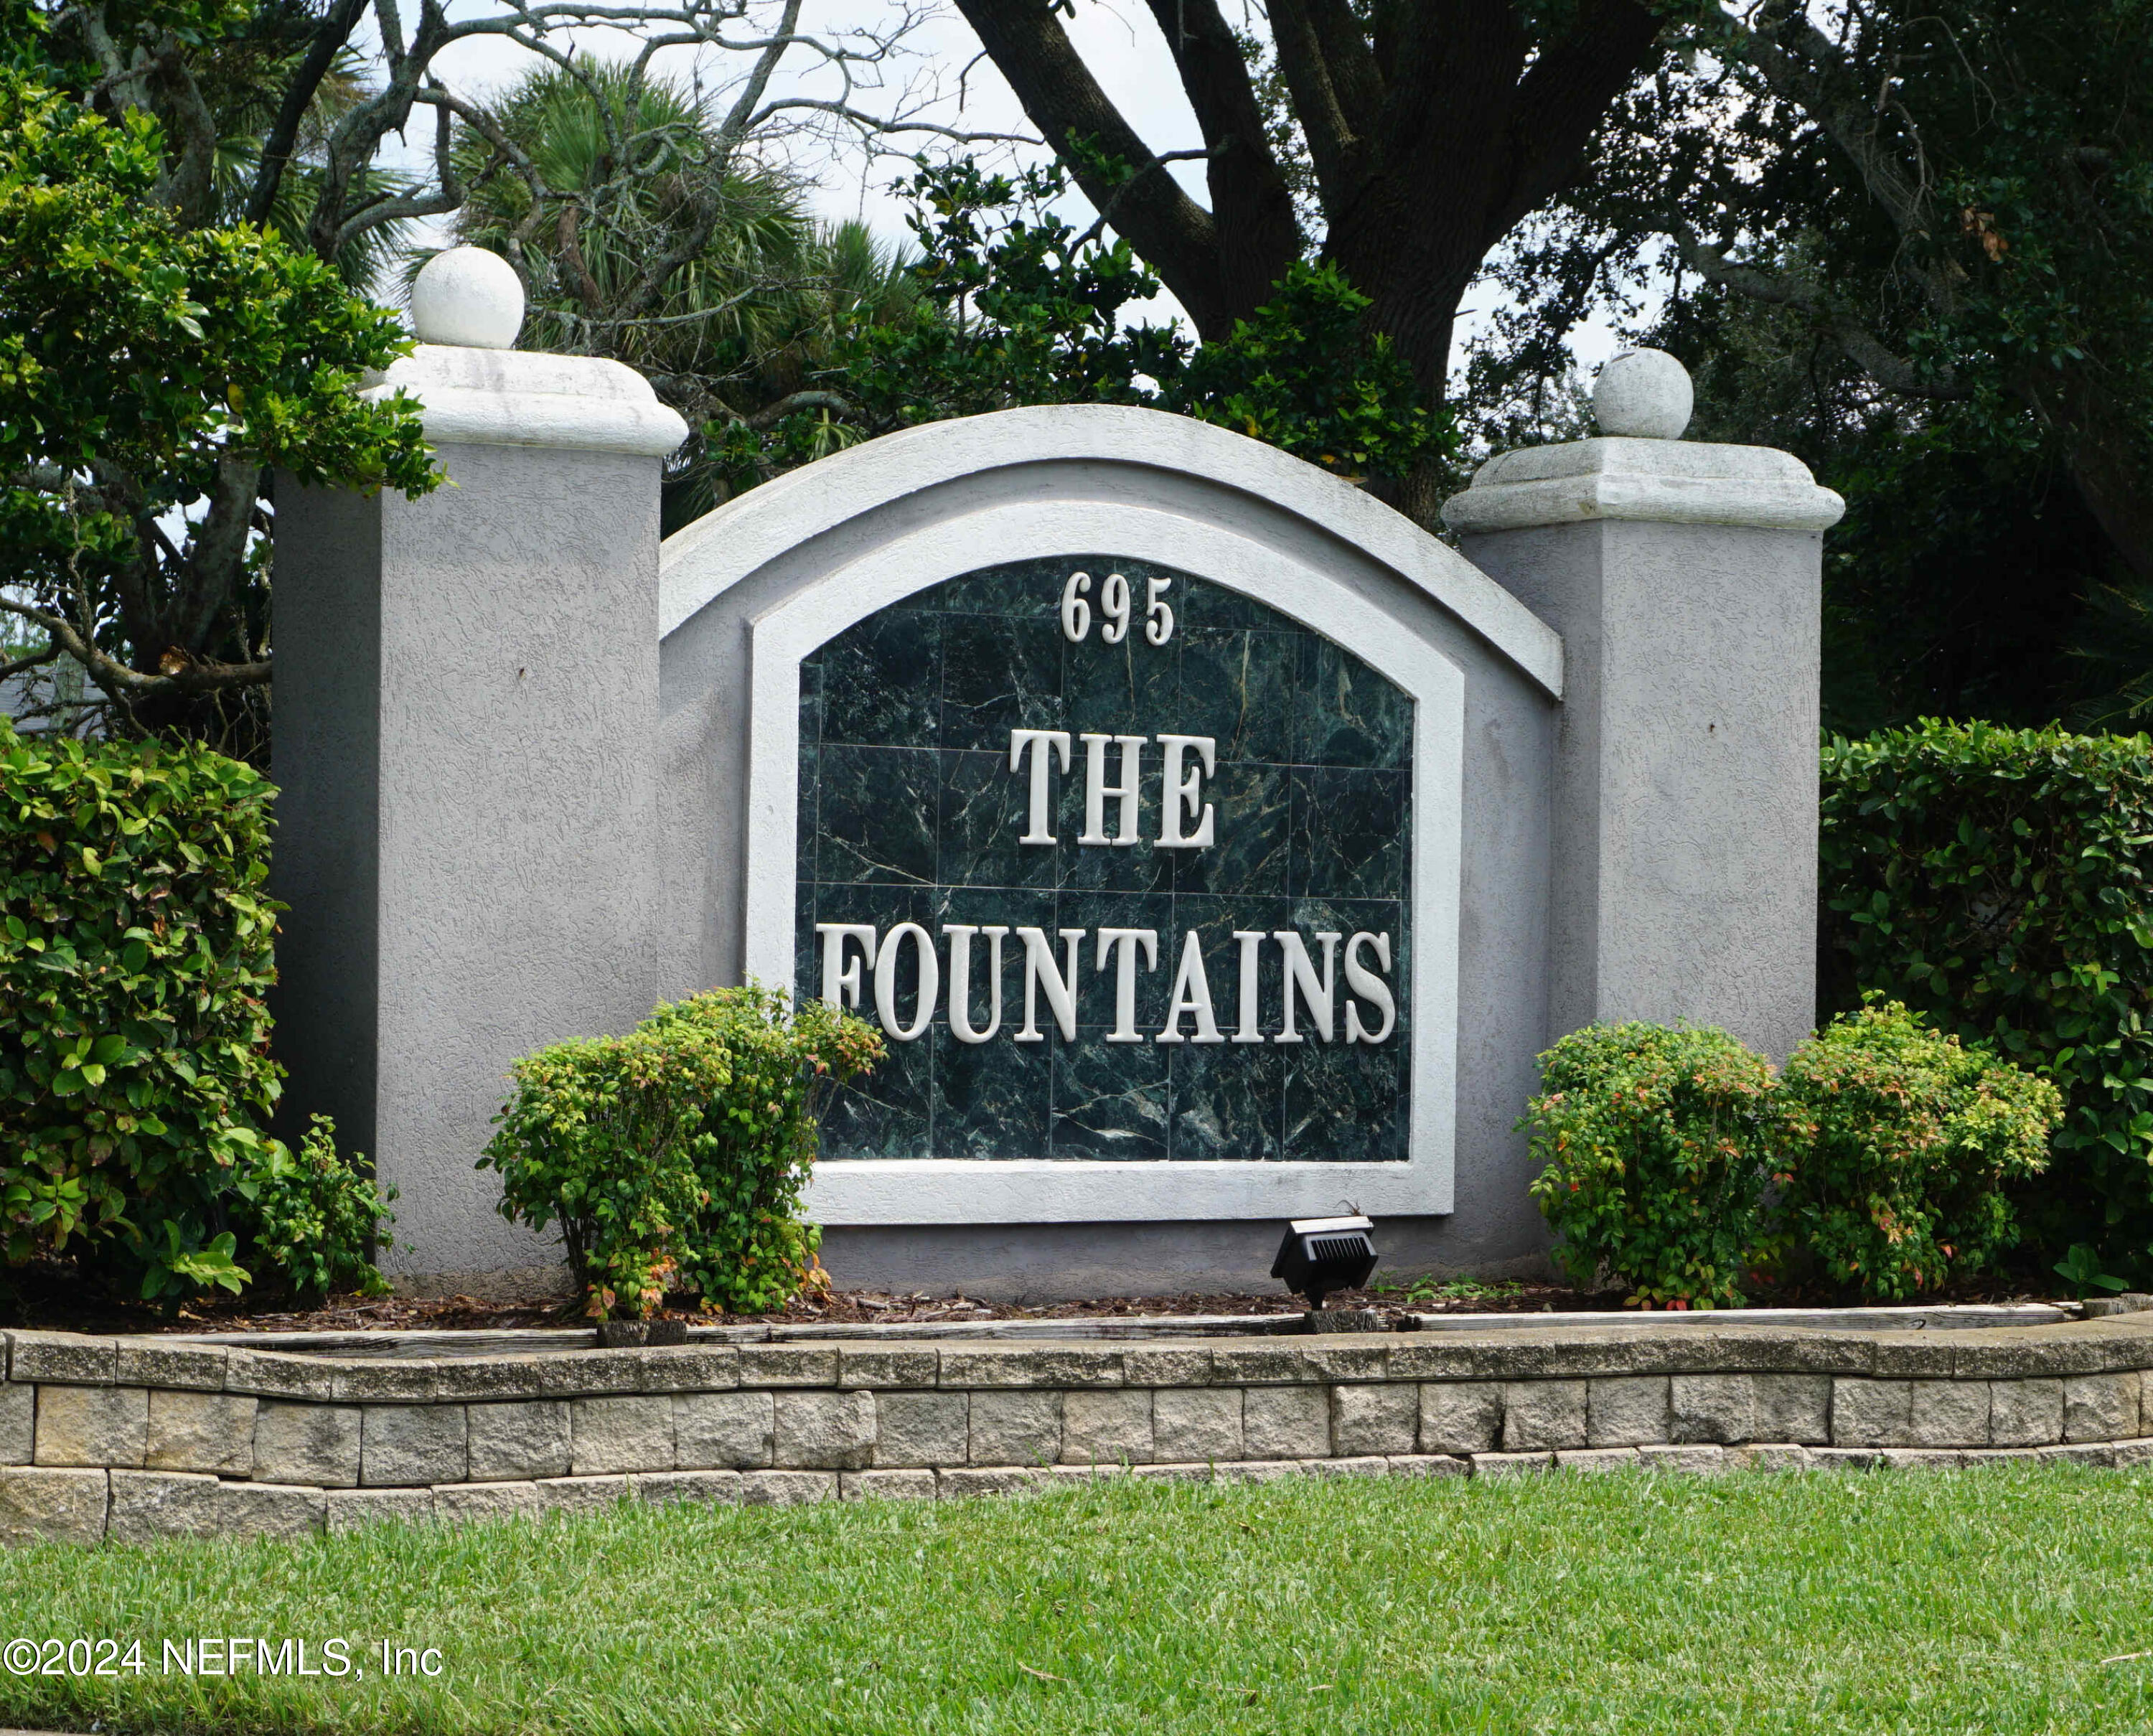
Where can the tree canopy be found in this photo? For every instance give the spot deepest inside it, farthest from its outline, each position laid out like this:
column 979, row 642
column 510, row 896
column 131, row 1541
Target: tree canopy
column 1914, row 244
column 149, row 373
column 257, row 128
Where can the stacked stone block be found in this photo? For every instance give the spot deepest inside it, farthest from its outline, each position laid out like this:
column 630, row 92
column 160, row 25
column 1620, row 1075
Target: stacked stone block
column 138, row 1439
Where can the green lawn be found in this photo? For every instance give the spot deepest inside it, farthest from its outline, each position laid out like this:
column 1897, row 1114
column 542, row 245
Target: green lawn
column 1977, row 1601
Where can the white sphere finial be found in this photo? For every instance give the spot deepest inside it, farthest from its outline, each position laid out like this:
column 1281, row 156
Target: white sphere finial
column 1644, row 395
column 469, row 296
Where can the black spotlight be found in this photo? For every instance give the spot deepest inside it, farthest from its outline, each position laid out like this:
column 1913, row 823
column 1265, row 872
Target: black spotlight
column 1322, row 1256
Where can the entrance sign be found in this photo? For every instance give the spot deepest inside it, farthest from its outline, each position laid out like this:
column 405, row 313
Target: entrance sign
column 1212, row 844
column 1165, row 845
column 996, row 714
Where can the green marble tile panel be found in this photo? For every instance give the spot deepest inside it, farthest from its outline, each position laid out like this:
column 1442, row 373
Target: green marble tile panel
column 983, row 813
column 991, row 1099
column 1124, row 690
column 1348, row 832
column 1203, row 603
column 877, row 681
column 983, row 907
column 1345, row 918
column 1345, row 1103
column 877, row 812
column 1093, row 911
column 1110, row 1099
column 1012, row 907
column 885, row 906
column 1344, row 714
column 1238, row 687
column 999, row 674
column 1140, row 866
column 1027, row 589
column 888, row 1113
column 1228, row 1101
column 1217, row 919
column 1252, row 821
column 807, row 944
column 909, row 812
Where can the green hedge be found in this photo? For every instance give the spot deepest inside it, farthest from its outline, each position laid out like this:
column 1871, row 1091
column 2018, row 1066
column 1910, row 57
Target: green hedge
column 134, row 951
column 1996, row 880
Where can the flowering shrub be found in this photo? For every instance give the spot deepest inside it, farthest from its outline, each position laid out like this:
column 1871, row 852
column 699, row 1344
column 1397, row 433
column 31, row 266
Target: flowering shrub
column 1656, row 1140
column 1891, row 1145
column 672, row 1158
column 1903, row 1140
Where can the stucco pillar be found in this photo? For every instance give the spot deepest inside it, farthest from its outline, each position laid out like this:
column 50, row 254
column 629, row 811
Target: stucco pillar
column 1685, row 581
column 467, row 700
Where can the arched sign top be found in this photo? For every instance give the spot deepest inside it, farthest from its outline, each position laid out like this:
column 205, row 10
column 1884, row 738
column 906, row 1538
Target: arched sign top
column 702, row 562
column 1045, row 531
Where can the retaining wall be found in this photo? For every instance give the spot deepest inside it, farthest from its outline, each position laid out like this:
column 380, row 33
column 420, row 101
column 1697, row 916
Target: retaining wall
column 136, row 1438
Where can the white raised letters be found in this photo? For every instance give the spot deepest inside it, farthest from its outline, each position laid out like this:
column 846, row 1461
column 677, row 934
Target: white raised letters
column 1159, row 616
column 1183, row 798
column 1096, row 789
column 1192, row 994
column 960, row 980
column 1114, row 609
column 1370, row 988
column 1307, row 993
column 1300, row 975
column 1076, row 611
column 1040, row 742
column 930, row 983
column 841, row 980
column 1251, row 1030
column 1182, row 803
column 1125, row 975
column 1040, row 973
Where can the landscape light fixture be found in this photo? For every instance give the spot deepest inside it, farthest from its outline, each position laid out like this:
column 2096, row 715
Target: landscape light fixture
column 1322, row 1256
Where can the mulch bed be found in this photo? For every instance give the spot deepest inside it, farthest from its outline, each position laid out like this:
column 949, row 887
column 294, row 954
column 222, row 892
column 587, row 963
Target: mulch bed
column 52, row 1300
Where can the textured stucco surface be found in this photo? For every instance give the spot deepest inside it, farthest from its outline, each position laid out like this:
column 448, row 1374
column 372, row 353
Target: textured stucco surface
column 467, row 702
column 1686, row 784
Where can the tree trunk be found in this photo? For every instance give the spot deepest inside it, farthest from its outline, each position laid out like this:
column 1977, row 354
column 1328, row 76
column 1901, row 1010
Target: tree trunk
column 2121, row 502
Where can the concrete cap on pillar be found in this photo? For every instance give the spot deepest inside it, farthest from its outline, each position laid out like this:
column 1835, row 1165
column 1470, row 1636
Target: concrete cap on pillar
column 1645, row 395
column 469, row 298
column 475, row 389
column 1641, row 469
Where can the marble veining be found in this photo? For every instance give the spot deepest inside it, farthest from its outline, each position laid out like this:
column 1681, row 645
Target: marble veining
column 908, row 812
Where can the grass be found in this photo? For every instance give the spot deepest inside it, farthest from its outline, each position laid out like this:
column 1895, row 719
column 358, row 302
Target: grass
column 1948, row 1601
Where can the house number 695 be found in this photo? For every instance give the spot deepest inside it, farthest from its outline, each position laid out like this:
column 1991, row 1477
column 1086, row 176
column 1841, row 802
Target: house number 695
column 1114, row 609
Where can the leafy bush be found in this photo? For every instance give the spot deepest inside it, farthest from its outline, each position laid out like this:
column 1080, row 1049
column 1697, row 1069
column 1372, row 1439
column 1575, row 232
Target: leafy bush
column 135, row 944
column 1656, row 1140
column 1305, row 375
column 1901, row 1140
column 672, row 1158
column 315, row 1218
column 1995, row 880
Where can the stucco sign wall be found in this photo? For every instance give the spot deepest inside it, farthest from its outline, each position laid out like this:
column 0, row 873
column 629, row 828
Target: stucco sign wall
column 1213, row 844
column 1120, row 860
